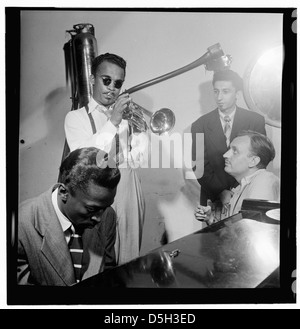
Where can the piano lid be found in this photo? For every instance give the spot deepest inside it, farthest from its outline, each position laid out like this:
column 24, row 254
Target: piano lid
column 237, row 252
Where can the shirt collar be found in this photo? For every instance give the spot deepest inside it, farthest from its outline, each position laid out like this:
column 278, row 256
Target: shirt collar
column 93, row 105
column 231, row 115
column 64, row 221
column 246, row 180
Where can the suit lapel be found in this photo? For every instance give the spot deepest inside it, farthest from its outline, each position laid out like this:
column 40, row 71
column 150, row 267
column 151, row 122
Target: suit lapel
column 56, row 250
column 215, row 132
column 238, row 123
column 54, row 246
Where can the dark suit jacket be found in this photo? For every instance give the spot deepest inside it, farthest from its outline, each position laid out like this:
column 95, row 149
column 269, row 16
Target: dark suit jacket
column 43, row 253
column 215, row 179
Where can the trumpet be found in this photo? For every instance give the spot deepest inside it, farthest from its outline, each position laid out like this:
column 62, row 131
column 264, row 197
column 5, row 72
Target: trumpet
column 163, row 120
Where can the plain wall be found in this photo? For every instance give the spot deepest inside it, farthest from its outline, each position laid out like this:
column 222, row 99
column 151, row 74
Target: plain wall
column 153, row 43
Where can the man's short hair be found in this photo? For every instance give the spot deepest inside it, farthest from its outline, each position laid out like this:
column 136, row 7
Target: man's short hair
column 107, row 57
column 261, row 146
column 228, row 75
column 80, row 168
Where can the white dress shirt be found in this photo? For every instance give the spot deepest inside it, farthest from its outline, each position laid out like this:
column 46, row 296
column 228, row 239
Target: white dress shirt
column 65, row 223
column 231, row 116
column 79, row 133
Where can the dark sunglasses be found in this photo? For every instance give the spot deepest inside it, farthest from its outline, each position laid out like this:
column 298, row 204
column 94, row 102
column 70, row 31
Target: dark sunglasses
column 107, row 81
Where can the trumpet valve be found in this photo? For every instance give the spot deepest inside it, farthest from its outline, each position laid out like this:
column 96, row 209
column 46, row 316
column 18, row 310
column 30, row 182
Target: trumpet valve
column 127, row 113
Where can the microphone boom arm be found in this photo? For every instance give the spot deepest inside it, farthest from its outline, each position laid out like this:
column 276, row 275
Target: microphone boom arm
column 214, row 54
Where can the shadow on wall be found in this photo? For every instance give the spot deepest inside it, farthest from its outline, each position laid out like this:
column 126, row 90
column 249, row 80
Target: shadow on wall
column 41, row 144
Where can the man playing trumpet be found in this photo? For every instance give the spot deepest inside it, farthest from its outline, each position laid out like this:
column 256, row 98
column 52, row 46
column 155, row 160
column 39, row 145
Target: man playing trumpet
column 100, row 124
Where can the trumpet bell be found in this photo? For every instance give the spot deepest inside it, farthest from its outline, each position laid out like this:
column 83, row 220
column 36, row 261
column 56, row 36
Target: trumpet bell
column 162, row 121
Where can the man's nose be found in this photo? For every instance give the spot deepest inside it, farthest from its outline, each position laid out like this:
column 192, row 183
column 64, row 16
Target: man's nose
column 111, row 86
column 97, row 217
column 226, row 154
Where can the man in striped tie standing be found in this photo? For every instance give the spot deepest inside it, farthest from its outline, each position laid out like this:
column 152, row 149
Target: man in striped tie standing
column 67, row 234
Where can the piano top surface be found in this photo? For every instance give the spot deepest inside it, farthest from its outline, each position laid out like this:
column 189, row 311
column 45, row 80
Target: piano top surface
column 234, row 253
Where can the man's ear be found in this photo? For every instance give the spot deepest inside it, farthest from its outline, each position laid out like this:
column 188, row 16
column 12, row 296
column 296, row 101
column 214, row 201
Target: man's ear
column 254, row 161
column 238, row 95
column 63, row 192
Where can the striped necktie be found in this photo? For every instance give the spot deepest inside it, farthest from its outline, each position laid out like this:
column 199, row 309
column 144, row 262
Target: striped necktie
column 227, row 129
column 76, row 251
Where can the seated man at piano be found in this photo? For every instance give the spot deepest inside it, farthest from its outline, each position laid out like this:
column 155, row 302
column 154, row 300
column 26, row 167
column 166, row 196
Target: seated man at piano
column 246, row 160
column 77, row 209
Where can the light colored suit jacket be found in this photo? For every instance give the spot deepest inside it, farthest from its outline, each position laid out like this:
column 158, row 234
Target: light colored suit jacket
column 262, row 185
column 43, row 253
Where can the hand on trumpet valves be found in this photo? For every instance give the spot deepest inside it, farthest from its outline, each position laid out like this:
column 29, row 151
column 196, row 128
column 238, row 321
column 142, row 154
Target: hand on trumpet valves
column 134, row 114
column 120, row 105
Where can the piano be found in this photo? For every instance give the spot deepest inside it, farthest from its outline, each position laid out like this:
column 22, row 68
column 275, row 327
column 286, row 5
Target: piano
column 241, row 251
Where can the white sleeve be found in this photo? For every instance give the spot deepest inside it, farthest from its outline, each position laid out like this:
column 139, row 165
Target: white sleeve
column 79, row 133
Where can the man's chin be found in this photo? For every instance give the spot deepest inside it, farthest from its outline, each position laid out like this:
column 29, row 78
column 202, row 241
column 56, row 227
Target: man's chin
column 226, row 169
column 107, row 101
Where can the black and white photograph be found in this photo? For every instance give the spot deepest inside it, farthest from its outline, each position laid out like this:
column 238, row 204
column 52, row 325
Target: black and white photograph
column 150, row 156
